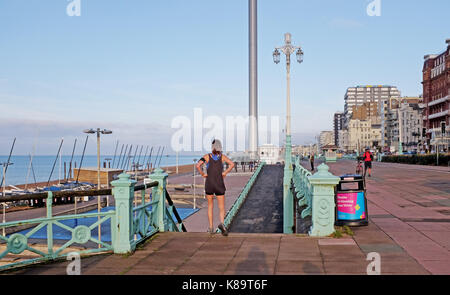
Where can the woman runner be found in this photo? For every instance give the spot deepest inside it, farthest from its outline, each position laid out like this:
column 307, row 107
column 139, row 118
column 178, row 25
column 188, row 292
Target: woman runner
column 214, row 184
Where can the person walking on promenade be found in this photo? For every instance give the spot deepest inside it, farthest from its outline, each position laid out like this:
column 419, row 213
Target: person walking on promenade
column 311, row 160
column 214, row 184
column 368, row 158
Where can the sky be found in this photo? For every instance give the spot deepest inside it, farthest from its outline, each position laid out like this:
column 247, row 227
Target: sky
column 132, row 66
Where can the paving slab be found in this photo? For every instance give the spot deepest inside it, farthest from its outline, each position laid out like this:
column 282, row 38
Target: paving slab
column 410, row 235
column 415, row 202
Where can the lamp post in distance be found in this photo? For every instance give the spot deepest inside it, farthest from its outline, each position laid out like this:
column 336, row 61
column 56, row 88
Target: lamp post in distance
column 98, row 131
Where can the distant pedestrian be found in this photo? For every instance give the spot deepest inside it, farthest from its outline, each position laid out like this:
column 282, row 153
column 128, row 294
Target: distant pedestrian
column 368, row 158
column 214, row 184
column 311, row 160
column 235, row 166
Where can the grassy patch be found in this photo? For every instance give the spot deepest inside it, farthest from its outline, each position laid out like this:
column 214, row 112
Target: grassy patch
column 348, row 231
column 342, row 231
column 337, row 234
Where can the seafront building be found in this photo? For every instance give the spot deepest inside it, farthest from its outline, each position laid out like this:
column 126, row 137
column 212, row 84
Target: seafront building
column 409, row 126
column 436, row 92
column 359, row 135
column 326, row 138
column 359, row 95
column 366, row 111
column 305, row 150
column 412, row 109
column 338, row 125
column 270, row 154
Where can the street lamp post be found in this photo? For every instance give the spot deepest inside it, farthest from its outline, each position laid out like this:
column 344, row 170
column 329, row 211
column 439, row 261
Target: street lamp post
column 288, row 49
column 98, row 131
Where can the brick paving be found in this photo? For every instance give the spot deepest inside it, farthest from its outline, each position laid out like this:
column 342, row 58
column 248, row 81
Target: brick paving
column 409, row 227
column 411, row 207
column 247, row 254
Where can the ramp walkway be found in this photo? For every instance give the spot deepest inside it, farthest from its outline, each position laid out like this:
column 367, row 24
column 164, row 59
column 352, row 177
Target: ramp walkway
column 262, row 211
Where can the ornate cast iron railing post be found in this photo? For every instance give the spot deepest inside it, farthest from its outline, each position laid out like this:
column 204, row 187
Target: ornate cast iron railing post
column 323, row 203
column 158, row 194
column 122, row 232
column 48, row 204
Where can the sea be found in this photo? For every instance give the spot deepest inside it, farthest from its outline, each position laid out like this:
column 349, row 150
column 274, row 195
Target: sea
column 20, row 171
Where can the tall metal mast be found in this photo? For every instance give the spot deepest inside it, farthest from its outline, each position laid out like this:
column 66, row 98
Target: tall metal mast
column 253, row 77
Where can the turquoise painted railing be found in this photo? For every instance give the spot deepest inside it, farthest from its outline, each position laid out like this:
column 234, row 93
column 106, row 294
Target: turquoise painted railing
column 303, row 188
column 129, row 225
column 349, row 157
column 288, row 197
column 242, row 196
column 316, row 192
column 17, row 243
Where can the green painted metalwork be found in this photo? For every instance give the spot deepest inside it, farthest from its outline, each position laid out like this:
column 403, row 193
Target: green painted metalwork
column 141, row 223
column 302, row 188
column 123, row 191
column 316, row 192
column 349, row 157
column 18, row 243
column 288, row 197
column 242, row 196
column 129, row 226
column 323, row 203
column 159, row 196
column 330, row 159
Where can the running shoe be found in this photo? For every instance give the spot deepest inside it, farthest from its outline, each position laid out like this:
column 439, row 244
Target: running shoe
column 223, row 229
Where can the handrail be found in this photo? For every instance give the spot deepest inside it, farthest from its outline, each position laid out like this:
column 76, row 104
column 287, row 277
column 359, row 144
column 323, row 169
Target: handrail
column 242, row 196
column 72, row 193
column 61, row 194
column 81, row 234
column 175, row 211
column 129, row 225
column 145, row 186
column 317, row 193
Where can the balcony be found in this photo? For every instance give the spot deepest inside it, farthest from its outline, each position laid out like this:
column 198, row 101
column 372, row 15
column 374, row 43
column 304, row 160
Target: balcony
column 438, row 101
column 438, row 115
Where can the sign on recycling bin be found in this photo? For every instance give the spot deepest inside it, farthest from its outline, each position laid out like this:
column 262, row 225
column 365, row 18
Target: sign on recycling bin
column 351, row 206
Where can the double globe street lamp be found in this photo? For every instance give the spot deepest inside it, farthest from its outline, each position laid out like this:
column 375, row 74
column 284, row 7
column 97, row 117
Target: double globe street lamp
column 288, row 49
column 98, row 131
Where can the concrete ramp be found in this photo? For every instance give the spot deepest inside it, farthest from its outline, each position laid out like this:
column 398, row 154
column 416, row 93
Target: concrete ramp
column 262, row 211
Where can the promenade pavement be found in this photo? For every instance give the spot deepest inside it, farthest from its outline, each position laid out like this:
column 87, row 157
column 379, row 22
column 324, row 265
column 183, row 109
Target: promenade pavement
column 409, row 210
column 410, row 205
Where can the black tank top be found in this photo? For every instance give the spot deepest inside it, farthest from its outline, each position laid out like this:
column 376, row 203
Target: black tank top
column 214, row 184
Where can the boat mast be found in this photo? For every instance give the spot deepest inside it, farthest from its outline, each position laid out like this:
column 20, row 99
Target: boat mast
column 54, row 163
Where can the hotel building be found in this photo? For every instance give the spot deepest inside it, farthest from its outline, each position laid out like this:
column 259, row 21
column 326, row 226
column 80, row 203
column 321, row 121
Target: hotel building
column 436, row 91
column 359, row 95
